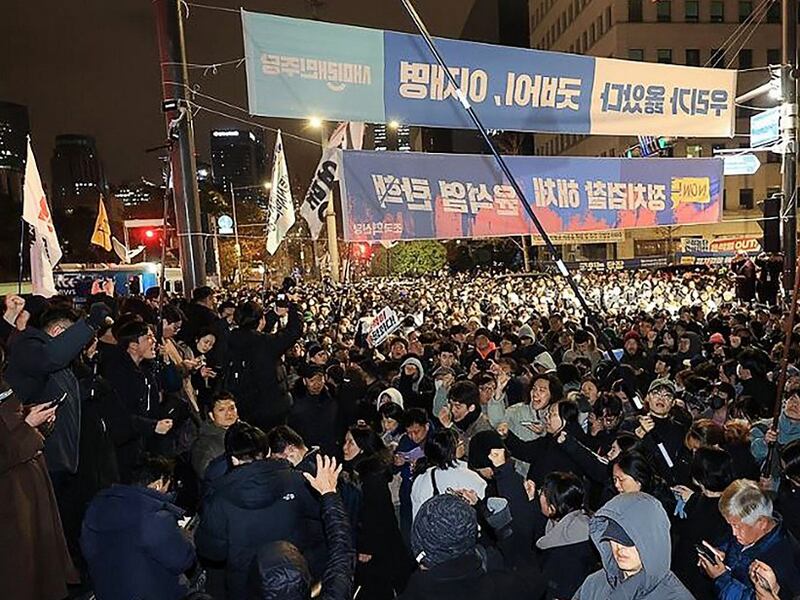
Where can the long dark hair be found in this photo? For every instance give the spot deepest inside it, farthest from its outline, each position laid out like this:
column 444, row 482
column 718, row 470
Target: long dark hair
column 370, row 444
column 635, row 465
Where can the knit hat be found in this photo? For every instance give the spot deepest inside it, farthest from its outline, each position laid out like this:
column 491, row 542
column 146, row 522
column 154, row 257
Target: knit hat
column 480, row 445
column 445, row 528
column 631, row 335
column 717, row 338
column 526, row 332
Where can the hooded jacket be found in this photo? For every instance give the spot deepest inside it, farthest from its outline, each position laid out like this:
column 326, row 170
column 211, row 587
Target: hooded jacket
column 210, row 444
column 566, row 554
column 248, row 507
column 644, row 520
column 133, row 546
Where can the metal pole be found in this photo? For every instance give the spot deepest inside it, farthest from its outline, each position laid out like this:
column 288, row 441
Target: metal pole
column 174, row 78
column 330, row 221
column 237, row 247
column 526, row 257
column 788, row 125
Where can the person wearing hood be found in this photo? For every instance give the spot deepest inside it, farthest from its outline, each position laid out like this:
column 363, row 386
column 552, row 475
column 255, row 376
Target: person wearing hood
column 751, row 371
column 565, row 551
column 259, row 500
column 210, row 442
column 631, row 534
column 416, row 389
column 280, row 572
column 483, row 350
column 463, row 413
column 131, row 539
column 444, row 538
column 762, row 433
column 529, row 348
column 634, row 356
column 315, row 411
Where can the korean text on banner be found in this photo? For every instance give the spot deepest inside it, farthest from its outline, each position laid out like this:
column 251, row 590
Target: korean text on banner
column 280, row 217
column 383, row 325
column 298, row 68
column 406, row 195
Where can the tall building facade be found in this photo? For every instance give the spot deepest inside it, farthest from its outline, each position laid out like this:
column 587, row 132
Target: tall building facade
column 681, row 32
column 14, row 128
column 77, row 173
column 238, row 157
column 392, row 136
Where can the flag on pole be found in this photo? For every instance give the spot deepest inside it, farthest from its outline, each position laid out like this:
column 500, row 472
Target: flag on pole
column 45, row 249
column 102, row 229
column 121, row 250
column 281, row 209
column 320, row 192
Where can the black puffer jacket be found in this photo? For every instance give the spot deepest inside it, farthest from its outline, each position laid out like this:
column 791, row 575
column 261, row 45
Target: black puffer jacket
column 281, row 573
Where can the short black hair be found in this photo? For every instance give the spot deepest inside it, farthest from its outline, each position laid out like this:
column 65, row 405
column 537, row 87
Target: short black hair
column 172, row 314
column 391, row 410
column 712, row 468
column 151, row 469
column 415, row 416
column 464, row 392
column 54, row 316
column 249, row 315
column 130, row 333
column 564, row 492
column 202, row 293
column 222, row 397
column 440, row 449
column 225, row 306
column 245, row 442
column 281, row 437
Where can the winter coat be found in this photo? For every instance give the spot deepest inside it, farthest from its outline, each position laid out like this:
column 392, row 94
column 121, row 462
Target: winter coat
column 458, row 477
column 210, row 444
column 467, row 577
column 251, row 505
column 274, row 575
column 566, row 554
column 478, row 424
column 316, row 419
column 777, row 549
column 644, row 520
column 703, row 522
column 133, row 545
column 255, row 373
column 35, row 563
column 39, row 371
column 787, row 504
column 544, row 455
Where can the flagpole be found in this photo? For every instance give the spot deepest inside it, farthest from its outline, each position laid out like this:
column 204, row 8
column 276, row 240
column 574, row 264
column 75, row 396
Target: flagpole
column 21, row 255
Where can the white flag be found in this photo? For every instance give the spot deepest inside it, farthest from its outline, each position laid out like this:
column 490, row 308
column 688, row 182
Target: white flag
column 45, row 249
column 320, row 192
column 281, row 209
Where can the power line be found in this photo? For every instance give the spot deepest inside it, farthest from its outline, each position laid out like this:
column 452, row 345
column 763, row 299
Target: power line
column 755, row 26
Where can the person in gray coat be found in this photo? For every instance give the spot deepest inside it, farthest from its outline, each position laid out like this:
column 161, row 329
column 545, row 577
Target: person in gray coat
column 631, row 533
column 210, row 442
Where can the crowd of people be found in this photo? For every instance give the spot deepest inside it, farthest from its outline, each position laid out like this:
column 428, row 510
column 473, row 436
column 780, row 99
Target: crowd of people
column 255, row 444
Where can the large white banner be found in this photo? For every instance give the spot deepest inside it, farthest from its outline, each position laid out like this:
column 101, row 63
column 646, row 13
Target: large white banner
column 281, row 208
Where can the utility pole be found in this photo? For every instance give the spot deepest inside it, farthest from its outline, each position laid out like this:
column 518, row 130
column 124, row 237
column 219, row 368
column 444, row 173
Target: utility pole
column 237, row 248
column 174, row 78
column 788, row 126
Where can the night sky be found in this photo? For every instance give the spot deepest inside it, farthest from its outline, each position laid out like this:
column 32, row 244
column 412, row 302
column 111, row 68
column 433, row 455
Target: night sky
column 91, row 67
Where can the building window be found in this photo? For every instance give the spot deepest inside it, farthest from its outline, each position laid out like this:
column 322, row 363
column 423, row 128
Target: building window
column 664, row 56
column 694, row 151
column 635, row 11
column 664, row 11
column 585, row 40
column 635, row 54
column 745, row 58
column 745, row 9
column 746, row 198
column 692, row 57
column 718, row 11
column 774, row 56
column 600, row 30
column 570, row 14
column 608, row 18
column 774, row 13
column 592, row 35
column 692, row 11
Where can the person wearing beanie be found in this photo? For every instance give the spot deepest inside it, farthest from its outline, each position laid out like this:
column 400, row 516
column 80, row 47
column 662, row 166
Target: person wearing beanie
column 317, row 355
column 453, row 566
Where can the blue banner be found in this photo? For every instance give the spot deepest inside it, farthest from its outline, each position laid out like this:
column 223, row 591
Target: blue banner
column 405, row 195
column 299, row 69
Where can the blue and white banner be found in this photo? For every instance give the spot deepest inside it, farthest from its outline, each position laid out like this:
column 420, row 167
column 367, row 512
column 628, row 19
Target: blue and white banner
column 298, row 69
column 408, row 195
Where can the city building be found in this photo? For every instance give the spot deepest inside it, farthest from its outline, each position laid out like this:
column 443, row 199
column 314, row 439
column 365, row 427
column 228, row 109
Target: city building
column 239, row 157
column 682, row 32
column 77, row 174
column 392, row 136
column 133, row 194
column 14, row 127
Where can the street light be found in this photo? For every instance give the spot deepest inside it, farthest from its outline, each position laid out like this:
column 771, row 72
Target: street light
column 268, row 185
column 315, row 122
column 394, row 125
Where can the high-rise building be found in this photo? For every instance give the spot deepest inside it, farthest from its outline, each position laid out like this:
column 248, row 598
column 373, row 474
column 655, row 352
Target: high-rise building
column 238, row 157
column 14, row 127
column 77, row 173
column 392, row 136
column 685, row 32
column 134, row 194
